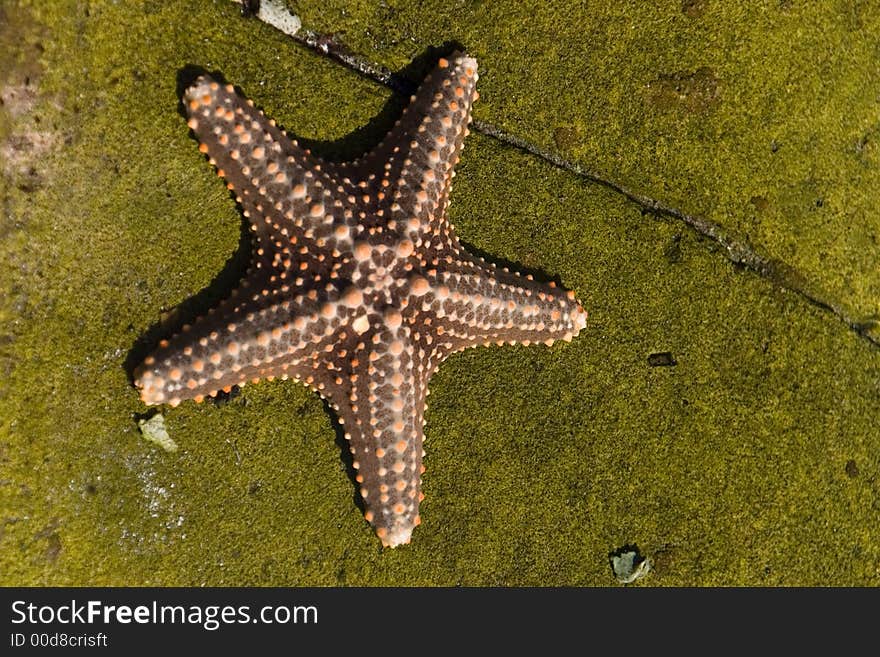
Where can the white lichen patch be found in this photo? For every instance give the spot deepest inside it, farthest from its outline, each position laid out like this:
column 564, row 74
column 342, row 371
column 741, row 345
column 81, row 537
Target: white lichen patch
column 629, row 566
column 276, row 14
column 159, row 517
column 154, row 430
column 26, row 144
column 18, row 99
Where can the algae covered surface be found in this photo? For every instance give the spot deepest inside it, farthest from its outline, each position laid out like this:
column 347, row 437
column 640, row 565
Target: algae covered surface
column 718, row 421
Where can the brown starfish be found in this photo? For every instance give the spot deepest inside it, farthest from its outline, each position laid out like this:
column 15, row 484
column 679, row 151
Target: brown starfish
column 358, row 286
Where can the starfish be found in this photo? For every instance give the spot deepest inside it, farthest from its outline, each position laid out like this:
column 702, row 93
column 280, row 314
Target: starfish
column 358, row 286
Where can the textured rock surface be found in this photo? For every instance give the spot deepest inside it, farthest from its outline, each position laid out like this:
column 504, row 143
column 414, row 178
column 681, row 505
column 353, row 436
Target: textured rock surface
column 753, row 460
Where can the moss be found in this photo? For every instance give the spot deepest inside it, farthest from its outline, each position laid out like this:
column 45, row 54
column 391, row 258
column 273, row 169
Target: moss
column 734, row 466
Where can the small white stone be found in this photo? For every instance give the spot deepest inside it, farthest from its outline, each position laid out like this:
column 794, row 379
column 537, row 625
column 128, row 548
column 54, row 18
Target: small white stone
column 154, row 431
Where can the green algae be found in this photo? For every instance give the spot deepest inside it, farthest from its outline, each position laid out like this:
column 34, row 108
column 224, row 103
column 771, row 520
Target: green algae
column 753, row 460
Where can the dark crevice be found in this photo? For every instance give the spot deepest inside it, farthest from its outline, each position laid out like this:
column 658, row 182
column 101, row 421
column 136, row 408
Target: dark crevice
column 738, row 251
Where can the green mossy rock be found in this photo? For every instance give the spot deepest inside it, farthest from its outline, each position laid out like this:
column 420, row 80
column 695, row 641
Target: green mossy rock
column 754, row 459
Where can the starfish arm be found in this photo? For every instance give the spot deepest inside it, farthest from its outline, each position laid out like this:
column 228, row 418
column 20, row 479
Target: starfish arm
column 257, row 333
column 475, row 303
column 415, row 160
column 382, row 417
column 288, row 195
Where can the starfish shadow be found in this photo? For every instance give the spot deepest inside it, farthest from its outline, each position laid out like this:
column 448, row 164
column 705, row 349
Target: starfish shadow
column 345, row 455
column 198, row 305
column 404, row 83
column 538, row 274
